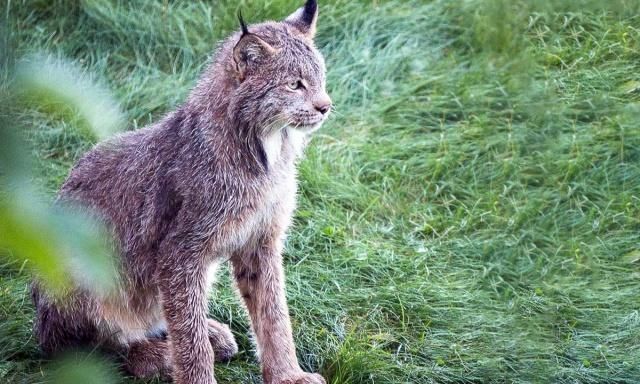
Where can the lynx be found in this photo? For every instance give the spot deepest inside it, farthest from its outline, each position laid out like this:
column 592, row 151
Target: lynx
column 213, row 181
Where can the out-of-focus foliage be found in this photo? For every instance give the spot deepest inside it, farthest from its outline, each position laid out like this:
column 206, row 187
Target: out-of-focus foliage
column 60, row 88
column 61, row 244
column 83, row 369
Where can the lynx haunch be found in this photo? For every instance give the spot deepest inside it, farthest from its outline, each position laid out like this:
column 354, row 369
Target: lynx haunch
column 214, row 180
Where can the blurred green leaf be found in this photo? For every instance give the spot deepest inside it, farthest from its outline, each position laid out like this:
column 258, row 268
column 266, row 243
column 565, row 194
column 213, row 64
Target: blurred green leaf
column 61, row 243
column 79, row 369
column 58, row 242
column 62, row 89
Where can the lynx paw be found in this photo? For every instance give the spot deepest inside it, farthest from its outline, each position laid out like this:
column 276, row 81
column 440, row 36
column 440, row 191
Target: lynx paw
column 299, row 378
column 222, row 341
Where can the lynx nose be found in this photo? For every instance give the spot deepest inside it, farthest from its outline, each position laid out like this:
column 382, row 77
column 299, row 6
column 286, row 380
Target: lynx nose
column 323, row 108
column 323, row 105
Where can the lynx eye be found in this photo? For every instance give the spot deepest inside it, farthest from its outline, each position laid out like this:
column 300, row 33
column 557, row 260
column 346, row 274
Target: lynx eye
column 295, row 85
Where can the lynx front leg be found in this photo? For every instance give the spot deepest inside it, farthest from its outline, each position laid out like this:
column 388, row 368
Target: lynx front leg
column 260, row 280
column 183, row 287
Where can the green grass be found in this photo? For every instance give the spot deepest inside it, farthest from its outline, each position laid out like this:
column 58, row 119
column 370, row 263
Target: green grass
column 471, row 213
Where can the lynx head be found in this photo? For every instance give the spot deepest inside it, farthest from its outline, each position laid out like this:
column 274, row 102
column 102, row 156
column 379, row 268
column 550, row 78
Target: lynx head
column 278, row 74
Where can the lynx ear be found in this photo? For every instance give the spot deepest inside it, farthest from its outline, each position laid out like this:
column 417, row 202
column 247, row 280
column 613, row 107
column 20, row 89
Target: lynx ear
column 305, row 18
column 250, row 49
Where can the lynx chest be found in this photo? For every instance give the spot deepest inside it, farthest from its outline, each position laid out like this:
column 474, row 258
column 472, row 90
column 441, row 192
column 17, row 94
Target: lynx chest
column 265, row 211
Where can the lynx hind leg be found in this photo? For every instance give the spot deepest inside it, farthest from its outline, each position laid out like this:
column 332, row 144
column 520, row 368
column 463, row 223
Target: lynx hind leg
column 62, row 327
column 145, row 355
column 149, row 358
column 222, row 340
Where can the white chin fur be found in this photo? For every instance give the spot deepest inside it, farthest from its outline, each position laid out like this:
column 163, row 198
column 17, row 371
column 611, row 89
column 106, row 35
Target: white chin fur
column 307, row 128
column 297, row 137
column 272, row 145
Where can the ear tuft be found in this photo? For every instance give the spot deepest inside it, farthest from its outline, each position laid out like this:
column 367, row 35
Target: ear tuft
column 305, row 18
column 250, row 50
column 310, row 11
column 243, row 25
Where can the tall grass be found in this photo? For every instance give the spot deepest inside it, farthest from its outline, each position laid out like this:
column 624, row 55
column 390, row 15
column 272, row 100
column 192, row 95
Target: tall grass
column 469, row 214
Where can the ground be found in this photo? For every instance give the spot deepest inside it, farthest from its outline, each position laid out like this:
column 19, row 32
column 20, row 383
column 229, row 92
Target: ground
column 470, row 213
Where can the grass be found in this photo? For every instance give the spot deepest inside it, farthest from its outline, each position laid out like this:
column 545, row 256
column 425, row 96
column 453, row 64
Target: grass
column 471, row 212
